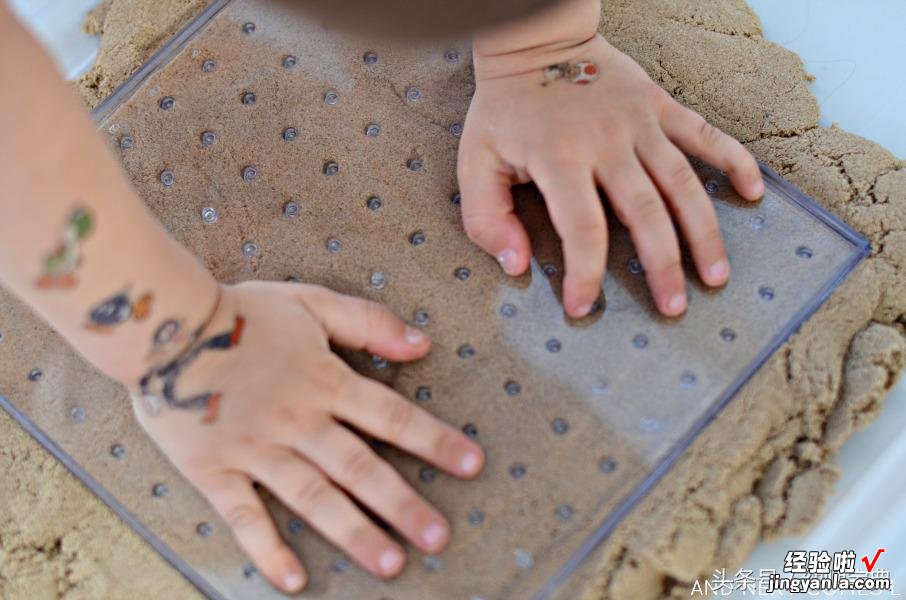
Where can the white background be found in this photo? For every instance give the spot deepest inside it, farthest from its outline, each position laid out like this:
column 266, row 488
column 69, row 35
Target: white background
column 856, row 51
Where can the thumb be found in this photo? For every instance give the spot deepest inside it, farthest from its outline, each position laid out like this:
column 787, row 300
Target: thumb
column 361, row 324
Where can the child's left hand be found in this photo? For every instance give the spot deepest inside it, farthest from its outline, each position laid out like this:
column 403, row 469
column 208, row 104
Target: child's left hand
column 621, row 132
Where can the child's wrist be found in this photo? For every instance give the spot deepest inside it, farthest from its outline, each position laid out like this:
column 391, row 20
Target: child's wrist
column 545, row 38
column 178, row 317
column 167, row 378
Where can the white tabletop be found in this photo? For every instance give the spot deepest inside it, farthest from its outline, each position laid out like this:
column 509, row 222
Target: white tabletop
column 58, row 24
column 856, row 51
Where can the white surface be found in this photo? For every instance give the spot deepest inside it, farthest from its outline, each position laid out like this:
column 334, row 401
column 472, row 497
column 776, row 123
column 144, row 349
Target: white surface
column 867, row 509
column 57, row 23
column 855, row 50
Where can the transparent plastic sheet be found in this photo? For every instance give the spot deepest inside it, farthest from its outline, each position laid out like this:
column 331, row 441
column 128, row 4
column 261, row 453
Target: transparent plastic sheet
column 579, row 419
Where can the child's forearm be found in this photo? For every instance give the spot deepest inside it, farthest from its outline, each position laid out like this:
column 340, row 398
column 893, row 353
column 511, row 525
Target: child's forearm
column 537, row 41
column 75, row 241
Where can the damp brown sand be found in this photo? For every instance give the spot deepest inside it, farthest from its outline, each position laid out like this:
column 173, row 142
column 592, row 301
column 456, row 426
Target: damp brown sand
column 758, row 471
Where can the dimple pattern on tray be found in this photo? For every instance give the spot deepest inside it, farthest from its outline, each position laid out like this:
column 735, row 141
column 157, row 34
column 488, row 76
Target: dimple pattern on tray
column 276, row 150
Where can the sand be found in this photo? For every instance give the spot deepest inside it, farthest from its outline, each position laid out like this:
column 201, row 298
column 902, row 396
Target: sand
column 760, row 470
column 131, row 31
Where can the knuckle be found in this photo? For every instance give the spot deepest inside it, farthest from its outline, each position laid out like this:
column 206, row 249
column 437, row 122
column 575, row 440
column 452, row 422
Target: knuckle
column 243, row 516
column 642, row 209
column 329, row 382
column 582, row 283
column 740, row 160
column 710, row 237
column 683, row 177
column 373, row 313
column 708, row 133
column 311, row 493
column 589, row 233
column 317, row 432
column 202, row 470
column 407, row 502
column 307, row 289
column 399, row 415
column 360, row 538
column 359, row 465
column 551, row 161
column 443, row 445
column 667, row 263
column 477, row 226
column 659, row 95
column 308, row 427
column 467, row 165
column 558, row 153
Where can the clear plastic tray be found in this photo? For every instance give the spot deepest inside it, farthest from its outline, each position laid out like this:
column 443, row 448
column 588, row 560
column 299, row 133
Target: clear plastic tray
column 600, row 409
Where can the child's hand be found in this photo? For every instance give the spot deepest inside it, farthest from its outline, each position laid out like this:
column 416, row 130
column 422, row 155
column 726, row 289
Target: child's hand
column 621, row 132
column 281, row 422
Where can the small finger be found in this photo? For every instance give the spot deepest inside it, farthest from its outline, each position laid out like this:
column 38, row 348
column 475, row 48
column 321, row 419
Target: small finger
column 306, row 491
column 691, row 205
column 363, row 325
column 354, row 466
column 691, row 132
column 381, row 412
column 234, row 498
column 487, row 209
column 638, row 205
column 578, row 216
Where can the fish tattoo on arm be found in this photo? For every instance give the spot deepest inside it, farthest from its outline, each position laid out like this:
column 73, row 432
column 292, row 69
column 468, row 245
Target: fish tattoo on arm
column 158, row 385
column 118, row 309
column 60, row 264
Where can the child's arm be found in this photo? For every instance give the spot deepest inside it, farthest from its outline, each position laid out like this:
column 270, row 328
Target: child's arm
column 570, row 129
column 239, row 382
column 72, row 231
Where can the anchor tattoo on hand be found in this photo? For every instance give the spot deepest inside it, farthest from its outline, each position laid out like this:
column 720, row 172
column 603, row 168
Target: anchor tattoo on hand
column 167, row 335
column 161, row 381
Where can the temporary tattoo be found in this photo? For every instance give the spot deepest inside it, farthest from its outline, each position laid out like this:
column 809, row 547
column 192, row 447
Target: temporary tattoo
column 60, row 265
column 166, row 334
column 160, row 382
column 119, row 309
column 582, row 73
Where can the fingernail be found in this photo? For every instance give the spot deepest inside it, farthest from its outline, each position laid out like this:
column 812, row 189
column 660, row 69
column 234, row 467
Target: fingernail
column 292, row 581
column 758, row 189
column 718, row 271
column 390, row 561
column 677, row 304
column 434, row 534
column 507, row 260
column 414, row 337
column 583, row 311
column 469, row 462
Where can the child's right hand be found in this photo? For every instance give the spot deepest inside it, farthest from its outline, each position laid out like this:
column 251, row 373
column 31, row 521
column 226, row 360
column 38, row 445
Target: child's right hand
column 281, row 399
column 280, row 422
